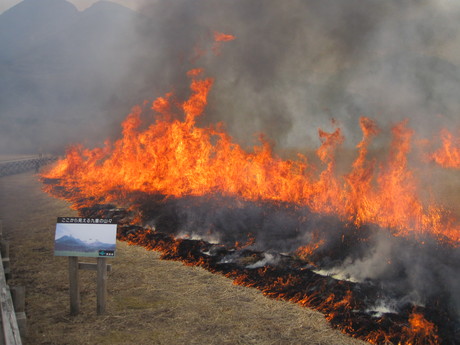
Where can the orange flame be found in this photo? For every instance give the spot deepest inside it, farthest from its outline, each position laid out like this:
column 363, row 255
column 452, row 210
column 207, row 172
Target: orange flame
column 178, row 158
column 420, row 329
column 221, row 37
column 448, row 156
column 306, row 251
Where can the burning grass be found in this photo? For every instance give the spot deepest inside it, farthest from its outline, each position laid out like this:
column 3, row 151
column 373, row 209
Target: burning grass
column 173, row 156
column 151, row 301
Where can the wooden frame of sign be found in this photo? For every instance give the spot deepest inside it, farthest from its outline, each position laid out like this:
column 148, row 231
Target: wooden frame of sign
column 101, row 290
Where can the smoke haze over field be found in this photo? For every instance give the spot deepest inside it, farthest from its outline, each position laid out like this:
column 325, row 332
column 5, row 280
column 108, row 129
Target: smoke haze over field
column 71, row 76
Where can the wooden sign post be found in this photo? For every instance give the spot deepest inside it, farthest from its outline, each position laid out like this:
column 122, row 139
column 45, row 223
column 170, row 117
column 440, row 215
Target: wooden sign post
column 101, row 285
column 101, row 289
column 74, row 284
column 88, row 237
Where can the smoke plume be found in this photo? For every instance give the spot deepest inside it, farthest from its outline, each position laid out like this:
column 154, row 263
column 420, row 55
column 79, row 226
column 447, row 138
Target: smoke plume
column 296, row 65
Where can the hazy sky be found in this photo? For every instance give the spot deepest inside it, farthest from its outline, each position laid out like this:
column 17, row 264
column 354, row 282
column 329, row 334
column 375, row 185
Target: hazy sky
column 80, row 4
column 133, row 4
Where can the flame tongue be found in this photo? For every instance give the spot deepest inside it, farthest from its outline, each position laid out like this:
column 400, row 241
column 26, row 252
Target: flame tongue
column 449, row 154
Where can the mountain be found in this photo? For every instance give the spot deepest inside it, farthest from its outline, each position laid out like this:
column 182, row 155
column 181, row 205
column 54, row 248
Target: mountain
column 60, row 68
column 25, row 26
column 101, row 245
column 70, row 243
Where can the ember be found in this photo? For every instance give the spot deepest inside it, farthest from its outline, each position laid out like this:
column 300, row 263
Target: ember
column 175, row 181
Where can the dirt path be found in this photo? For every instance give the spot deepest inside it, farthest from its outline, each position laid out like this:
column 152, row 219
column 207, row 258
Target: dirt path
column 150, row 301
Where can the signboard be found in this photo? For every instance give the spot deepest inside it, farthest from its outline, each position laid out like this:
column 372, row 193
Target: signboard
column 90, row 237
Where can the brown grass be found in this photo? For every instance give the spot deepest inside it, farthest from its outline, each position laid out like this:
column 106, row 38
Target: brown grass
column 150, row 301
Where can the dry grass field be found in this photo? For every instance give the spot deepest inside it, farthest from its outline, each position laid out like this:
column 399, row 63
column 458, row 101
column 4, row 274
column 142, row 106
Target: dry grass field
column 150, row 301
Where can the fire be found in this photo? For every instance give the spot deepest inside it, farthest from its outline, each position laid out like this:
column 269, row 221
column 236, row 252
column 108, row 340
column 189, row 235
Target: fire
column 251, row 240
column 220, row 37
column 306, row 251
column 419, row 329
column 178, row 158
column 448, row 156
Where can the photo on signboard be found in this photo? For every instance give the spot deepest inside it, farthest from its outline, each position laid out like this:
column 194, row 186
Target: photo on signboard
column 85, row 237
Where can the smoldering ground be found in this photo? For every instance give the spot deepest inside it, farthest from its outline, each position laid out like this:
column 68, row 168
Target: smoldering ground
column 417, row 270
